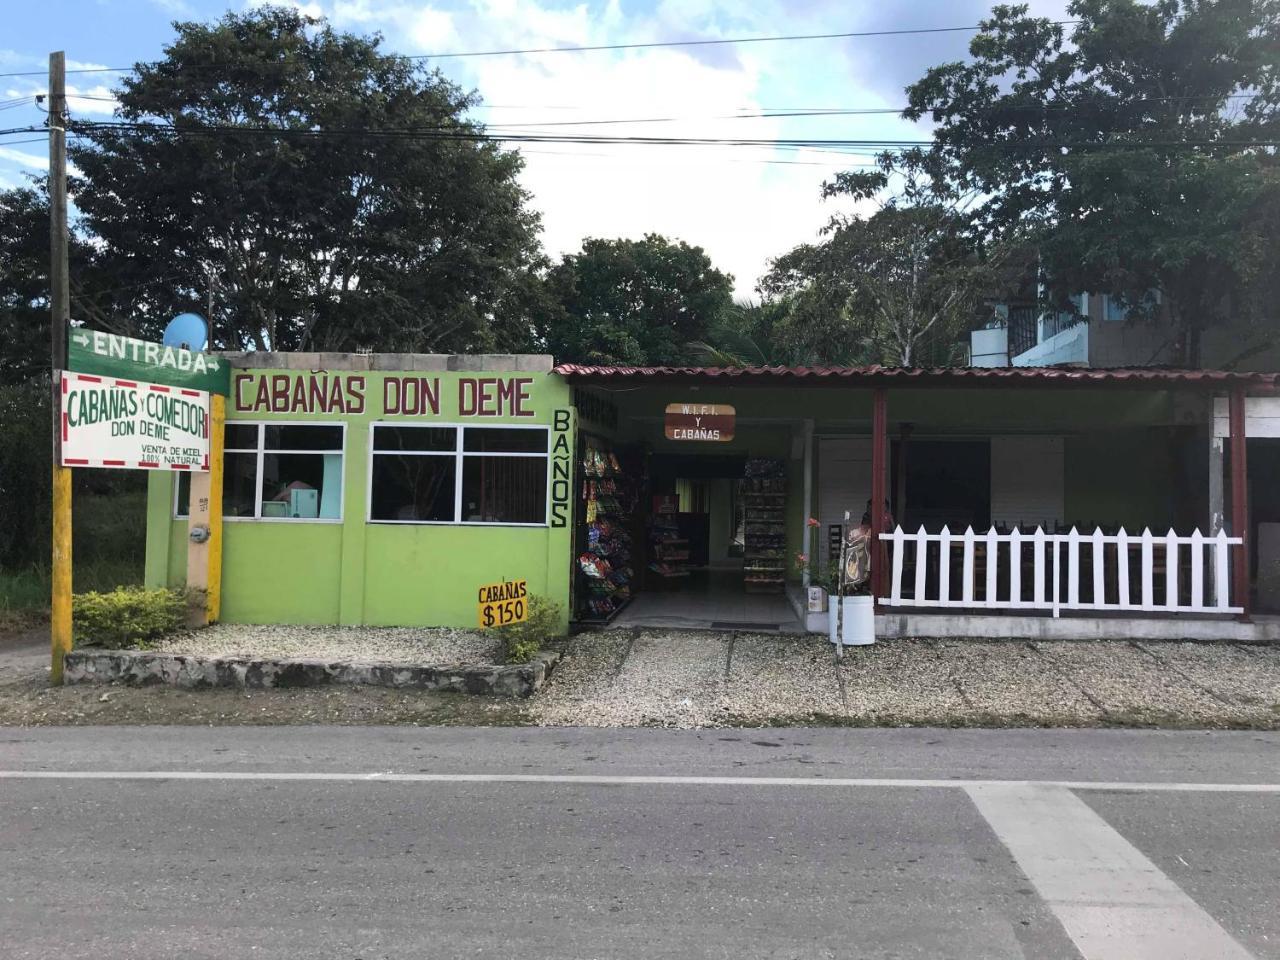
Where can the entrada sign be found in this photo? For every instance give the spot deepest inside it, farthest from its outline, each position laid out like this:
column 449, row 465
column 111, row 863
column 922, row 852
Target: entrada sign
column 700, row 421
column 504, row 603
column 109, row 355
column 107, row 422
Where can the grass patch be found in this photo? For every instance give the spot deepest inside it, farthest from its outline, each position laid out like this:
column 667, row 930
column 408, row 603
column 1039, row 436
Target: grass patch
column 25, row 593
column 108, row 551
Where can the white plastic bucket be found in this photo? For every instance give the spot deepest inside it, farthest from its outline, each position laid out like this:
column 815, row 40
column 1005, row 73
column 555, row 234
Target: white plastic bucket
column 859, row 621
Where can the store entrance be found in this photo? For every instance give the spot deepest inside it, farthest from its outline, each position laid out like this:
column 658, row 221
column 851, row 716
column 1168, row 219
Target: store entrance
column 683, row 540
column 693, row 528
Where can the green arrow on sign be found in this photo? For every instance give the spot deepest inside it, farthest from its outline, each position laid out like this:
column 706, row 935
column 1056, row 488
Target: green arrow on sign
column 125, row 358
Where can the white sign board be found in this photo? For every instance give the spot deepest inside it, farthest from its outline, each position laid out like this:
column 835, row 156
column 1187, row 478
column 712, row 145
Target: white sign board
column 107, row 422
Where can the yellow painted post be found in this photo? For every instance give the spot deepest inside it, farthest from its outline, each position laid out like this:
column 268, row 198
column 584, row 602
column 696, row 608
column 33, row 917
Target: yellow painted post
column 59, row 314
column 217, row 433
column 60, row 602
column 204, row 525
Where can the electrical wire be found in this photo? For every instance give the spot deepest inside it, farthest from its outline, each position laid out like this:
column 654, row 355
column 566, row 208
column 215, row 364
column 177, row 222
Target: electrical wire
column 847, row 35
column 464, row 134
column 650, row 45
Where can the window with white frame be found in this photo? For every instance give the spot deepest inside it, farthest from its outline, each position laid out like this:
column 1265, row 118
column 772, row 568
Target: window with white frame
column 425, row 473
column 278, row 471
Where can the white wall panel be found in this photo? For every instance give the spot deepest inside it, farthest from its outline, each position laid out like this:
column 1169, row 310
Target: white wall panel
column 844, row 482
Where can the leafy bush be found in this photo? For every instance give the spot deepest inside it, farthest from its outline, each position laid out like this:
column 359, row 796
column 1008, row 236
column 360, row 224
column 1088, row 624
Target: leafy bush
column 127, row 616
column 522, row 641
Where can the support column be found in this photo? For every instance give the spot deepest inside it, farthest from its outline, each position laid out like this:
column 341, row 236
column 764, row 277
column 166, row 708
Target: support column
column 204, row 525
column 217, row 444
column 879, row 463
column 1239, row 499
column 355, row 527
column 1217, row 501
column 806, row 535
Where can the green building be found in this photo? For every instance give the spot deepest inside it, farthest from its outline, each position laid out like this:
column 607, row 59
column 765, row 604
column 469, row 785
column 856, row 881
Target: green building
column 382, row 489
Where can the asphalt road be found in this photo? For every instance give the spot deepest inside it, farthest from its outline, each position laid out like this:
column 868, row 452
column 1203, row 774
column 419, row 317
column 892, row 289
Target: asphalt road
column 365, row 842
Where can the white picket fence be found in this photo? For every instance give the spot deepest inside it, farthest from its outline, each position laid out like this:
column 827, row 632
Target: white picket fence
column 1105, row 572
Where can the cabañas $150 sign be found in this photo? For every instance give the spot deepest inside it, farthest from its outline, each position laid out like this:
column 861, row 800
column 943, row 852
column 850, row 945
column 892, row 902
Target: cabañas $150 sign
column 106, row 422
column 504, row 603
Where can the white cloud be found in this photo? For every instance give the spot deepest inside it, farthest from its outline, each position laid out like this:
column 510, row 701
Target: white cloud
column 309, row 9
column 743, row 204
column 91, row 100
column 24, row 159
column 432, row 29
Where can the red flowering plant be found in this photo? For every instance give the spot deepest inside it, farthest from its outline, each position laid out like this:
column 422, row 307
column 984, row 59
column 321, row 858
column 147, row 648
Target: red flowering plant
column 805, row 560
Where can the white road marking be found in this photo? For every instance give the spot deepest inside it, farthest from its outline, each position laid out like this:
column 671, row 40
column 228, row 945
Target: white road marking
column 1114, row 903
column 611, row 780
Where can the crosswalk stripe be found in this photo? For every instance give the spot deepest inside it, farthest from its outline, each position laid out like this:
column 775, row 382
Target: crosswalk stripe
column 1114, row 903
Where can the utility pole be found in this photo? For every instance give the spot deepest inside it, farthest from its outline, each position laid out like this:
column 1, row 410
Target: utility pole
column 59, row 315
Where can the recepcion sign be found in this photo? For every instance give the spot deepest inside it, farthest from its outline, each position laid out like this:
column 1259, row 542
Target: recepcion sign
column 700, row 421
column 504, row 603
column 107, row 422
column 108, row 355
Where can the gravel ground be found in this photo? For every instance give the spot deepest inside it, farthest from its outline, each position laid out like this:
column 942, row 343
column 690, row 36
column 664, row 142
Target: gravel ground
column 1134, row 687
column 385, row 644
column 624, row 678
column 683, row 679
column 995, row 679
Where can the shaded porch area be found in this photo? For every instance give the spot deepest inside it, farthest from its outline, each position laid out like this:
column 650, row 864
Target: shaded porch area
column 1010, row 495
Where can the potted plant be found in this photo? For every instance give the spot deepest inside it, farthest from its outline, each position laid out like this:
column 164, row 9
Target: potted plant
column 816, row 595
column 851, row 618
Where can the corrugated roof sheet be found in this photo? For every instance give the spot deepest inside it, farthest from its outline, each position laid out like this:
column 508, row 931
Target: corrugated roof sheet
column 878, row 375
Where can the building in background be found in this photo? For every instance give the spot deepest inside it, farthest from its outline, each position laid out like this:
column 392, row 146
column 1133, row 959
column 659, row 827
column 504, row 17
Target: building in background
column 1099, row 332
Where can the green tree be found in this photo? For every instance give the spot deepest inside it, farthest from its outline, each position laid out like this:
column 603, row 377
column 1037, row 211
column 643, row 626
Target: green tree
column 803, row 328
column 331, row 196
column 98, row 295
column 24, row 285
column 897, row 287
column 632, row 301
column 1137, row 153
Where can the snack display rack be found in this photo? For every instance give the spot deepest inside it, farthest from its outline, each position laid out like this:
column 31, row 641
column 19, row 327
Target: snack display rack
column 604, row 567
column 764, row 502
column 668, row 551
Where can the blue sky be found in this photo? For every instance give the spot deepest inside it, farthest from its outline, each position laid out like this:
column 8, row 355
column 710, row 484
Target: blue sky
column 744, row 205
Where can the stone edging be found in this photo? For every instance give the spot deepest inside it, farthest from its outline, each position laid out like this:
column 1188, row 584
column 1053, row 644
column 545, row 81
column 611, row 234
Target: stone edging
column 147, row 668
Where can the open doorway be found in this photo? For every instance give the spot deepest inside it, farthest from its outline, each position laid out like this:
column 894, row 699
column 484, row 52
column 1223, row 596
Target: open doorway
column 693, row 523
column 716, row 541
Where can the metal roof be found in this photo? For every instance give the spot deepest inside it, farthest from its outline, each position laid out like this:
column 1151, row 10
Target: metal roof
column 876, row 375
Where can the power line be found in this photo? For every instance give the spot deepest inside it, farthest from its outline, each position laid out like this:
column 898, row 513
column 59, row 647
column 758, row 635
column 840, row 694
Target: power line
column 708, row 43
column 465, row 134
column 766, row 113
column 650, row 45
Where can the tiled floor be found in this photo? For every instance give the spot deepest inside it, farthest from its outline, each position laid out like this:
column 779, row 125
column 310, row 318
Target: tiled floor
column 710, row 600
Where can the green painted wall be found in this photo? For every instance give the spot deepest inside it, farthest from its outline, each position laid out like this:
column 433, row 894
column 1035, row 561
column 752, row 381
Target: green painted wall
column 352, row 571
column 281, row 572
